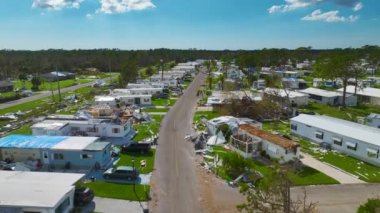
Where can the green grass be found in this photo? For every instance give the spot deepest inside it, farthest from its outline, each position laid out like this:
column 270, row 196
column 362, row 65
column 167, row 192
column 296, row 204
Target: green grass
column 206, row 114
column 158, row 118
column 119, row 191
column 366, row 172
column 163, row 102
column 282, row 127
column 7, row 94
column 349, row 113
column 49, row 85
column 126, row 160
column 146, row 130
column 23, row 130
column 156, row 109
column 44, row 101
column 307, row 176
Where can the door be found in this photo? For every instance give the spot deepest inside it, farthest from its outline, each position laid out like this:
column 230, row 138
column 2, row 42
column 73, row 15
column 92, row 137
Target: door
column 137, row 101
column 45, row 157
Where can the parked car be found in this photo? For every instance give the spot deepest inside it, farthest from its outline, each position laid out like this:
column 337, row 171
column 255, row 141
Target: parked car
column 136, row 147
column 82, row 196
column 121, row 172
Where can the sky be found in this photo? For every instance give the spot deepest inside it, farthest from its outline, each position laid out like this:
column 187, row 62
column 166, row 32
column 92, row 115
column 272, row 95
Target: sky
column 183, row 24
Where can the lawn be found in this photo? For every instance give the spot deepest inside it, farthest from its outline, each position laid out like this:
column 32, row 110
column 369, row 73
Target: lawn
column 7, row 94
column 307, row 176
column 50, row 85
column 24, row 130
column 163, row 102
column 366, row 172
column 349, row 113
column 146, row 130
column 156, row 109
column 119, row 191
column 40, row 102
column 206, row 114
column 126, row 160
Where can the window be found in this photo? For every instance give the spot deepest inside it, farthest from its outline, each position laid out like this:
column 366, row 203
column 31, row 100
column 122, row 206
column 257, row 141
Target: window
column 58, row 156
column 293, row 127
column 86, row 156
column 337, row 141
column 146, row 100
column 74, row 128
column 319, row 135
column 92, row 129
column 352, row 146
column 115, row 130
column 372, row 153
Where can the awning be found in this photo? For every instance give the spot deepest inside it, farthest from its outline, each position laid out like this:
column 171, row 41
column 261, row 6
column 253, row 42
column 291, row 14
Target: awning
column 337, row 139
column 318, row 133
column 372, row 151
column 350, row 144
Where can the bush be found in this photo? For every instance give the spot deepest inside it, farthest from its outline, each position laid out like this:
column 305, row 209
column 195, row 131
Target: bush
column 372, row 205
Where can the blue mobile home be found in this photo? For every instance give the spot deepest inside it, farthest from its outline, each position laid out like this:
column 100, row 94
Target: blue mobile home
column 56, row 151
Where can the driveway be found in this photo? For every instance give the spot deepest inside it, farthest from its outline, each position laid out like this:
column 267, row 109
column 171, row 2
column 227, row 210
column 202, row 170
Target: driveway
column 339, row 175
column 107, row 205
column 343, row 198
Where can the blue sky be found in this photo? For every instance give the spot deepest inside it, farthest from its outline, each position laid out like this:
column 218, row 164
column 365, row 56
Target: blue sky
column 202, row 24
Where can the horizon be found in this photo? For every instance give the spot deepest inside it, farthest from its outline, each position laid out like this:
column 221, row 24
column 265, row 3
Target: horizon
column 212, row 25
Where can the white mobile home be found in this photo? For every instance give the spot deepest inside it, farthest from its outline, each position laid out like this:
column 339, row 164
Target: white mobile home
column 139, row 91
column 105, row 100
column 329, row 97
column 126, row 99
column 44, row 192
column 250, row 141
column 365, row 95
column 351, row 138
column 294, row 97
column 106, row 128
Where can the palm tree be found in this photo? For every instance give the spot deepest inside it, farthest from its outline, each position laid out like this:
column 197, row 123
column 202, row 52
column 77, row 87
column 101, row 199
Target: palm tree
column 221, row 80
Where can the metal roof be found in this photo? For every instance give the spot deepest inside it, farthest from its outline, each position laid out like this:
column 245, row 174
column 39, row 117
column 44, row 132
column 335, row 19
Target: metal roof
column 35, row 189
column 30, row 142
column 75, row 143
column 320, row 92
column 368, row 91
column 353, row 130
column 97, row 146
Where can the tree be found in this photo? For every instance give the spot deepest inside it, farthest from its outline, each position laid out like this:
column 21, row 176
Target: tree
column 36, row 82
column 149, row 71
column 221, row 79
column 209, row 81
column 337, row 64
column 23, row 77
column 274, row 196
column 130, row 72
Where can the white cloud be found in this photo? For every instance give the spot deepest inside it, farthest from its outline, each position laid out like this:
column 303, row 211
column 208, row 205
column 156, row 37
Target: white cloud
column 330, row 16
column 121, row 6
column 56, row 4
column 290, row 5
column 89, row 16
column 357, row 6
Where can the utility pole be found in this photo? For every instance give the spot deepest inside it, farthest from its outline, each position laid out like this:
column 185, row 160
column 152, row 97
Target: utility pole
column 59, row 87
column 162, row 70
